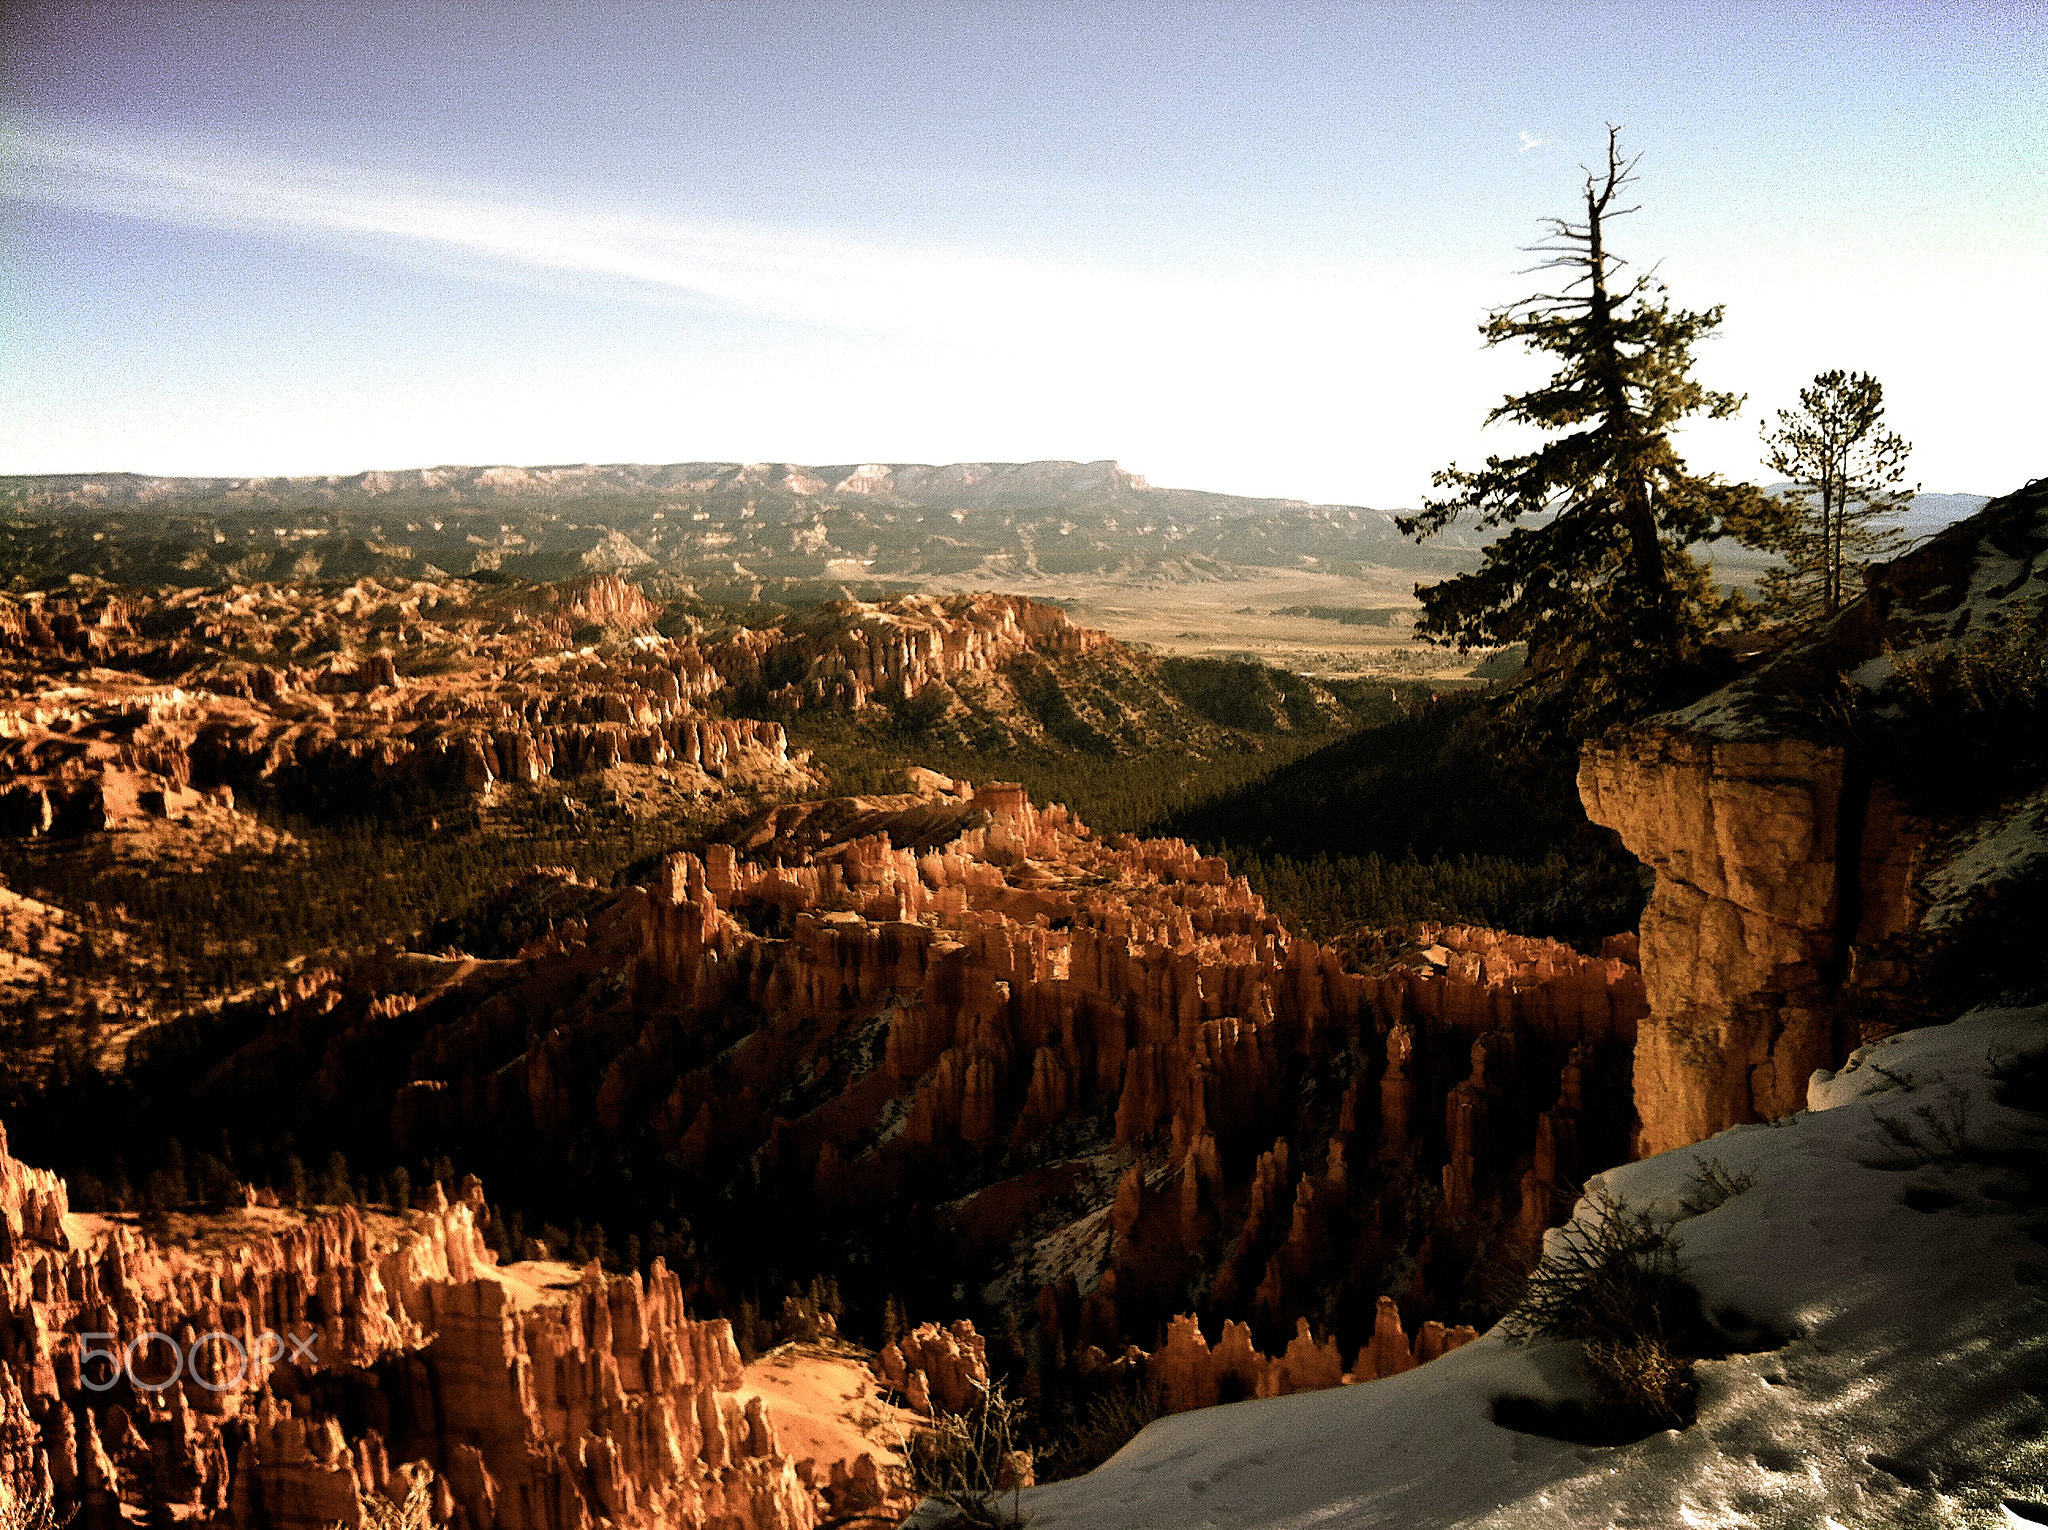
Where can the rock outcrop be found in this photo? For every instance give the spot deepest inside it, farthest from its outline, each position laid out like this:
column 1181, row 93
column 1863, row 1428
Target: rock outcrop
column 936, row 1367
column 1788, row 866
column 1740, row 942
column 847, row 652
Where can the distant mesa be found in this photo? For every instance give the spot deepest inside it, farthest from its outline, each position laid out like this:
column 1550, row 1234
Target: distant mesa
column 741, row 530
column 733, row 530
column 959, row 482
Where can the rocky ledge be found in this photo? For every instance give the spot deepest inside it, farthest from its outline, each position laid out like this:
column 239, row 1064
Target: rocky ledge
column 1795, row 862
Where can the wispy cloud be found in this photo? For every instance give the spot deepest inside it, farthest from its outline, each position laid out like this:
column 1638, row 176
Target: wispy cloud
column 1530, row 141
column 796, row 275
column 944, row 351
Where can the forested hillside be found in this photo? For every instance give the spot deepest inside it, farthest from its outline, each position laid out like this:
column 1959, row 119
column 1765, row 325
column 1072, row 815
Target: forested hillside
column 1422, row 815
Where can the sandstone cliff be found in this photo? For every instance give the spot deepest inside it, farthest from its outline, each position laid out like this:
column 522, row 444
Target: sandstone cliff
column 1790, row 860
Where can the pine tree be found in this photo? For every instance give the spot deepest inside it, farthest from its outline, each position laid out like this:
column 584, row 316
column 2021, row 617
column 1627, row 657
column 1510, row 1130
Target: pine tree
column 746, row 1335
column 1601, row 590
column 336, row 1189
column 1848, row 473
column 214, row 1183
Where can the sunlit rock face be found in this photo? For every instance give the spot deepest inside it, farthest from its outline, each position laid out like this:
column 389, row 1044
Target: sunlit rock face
column 117, row 712
column 1789, row 869
column 340, row 1357
column 1740, row 935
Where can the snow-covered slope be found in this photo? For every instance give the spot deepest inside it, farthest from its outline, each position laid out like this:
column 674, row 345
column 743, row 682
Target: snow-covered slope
column 1893, row 1236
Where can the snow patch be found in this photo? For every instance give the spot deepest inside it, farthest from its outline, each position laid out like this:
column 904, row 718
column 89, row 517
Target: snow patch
column 1995, row 851
column 1892, row 1234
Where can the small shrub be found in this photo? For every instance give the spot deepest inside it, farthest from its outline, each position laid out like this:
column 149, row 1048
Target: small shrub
column 1613, row 1282
column 974, row 1463
column 1714, row 1184
column 1929, row 1133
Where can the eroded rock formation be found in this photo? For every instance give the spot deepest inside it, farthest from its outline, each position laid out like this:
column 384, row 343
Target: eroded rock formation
column 1189, row 1373
column 847, row 653
column 1139, row 1102
column 283, row 1370
column 114, row 712
column 1788, row 867
column 1142, row 1091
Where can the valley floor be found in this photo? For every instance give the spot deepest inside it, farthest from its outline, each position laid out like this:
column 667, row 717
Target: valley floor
column 1312, row 623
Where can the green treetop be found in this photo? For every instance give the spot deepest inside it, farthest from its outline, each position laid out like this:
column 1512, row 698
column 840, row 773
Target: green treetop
column 1598, row 584
column 1848, row 481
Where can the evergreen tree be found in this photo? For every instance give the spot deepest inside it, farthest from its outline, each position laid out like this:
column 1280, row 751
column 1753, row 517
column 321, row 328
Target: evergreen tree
column 1848, row 473
column 214, row 1184
column 746, row 1336
column 1601, row 588
column 336, row 1189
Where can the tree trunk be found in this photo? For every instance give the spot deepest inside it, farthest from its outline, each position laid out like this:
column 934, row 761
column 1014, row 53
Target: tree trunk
column 1646, row 553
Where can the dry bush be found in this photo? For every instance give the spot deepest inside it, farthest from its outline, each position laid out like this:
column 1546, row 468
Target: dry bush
column 1929, row 1133
column 1714, row 1184
column 1613, row 1283
column 1947, row 725
column 1099, row 1425
column 974, row 1462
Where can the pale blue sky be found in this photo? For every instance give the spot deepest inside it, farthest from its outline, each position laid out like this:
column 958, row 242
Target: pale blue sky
column 1238, row 247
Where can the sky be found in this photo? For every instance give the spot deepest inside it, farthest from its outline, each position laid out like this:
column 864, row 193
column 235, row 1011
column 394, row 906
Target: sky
column 1243, row 247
